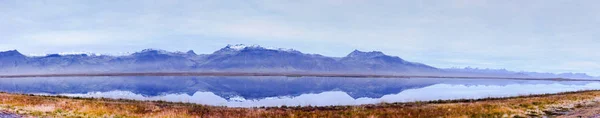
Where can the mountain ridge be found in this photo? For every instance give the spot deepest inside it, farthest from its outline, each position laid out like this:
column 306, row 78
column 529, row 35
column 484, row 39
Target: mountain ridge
column 235, row 58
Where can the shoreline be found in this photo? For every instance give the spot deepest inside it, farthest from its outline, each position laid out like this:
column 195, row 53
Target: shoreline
column 277, row 74
column 565, row 103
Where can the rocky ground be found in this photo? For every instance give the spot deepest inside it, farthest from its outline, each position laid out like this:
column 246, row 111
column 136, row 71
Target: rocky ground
column 6, row 114
column 583, row 109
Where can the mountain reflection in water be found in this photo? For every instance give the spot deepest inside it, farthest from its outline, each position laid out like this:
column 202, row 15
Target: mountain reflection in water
column 291, row 91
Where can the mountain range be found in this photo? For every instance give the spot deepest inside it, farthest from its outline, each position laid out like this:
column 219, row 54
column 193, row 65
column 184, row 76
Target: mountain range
column 239, row 58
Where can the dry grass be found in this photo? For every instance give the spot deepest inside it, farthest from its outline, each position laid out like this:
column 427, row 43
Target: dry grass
column 523, row 106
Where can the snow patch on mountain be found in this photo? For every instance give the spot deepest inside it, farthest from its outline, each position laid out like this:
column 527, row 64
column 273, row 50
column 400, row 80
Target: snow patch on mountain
column 240, row 57
column 240, row 47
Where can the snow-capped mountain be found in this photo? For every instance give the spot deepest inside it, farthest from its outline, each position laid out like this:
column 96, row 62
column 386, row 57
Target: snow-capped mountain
column 237, row 58
column 256, row 58
column 232, row 58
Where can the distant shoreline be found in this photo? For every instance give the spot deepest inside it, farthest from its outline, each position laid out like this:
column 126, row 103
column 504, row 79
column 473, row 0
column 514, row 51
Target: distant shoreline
column 278, row 74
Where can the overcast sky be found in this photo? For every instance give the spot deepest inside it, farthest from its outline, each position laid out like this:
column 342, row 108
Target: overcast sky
column 532, row 35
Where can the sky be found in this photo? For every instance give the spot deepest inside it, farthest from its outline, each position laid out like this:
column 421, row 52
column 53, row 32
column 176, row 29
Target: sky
column 533, row 35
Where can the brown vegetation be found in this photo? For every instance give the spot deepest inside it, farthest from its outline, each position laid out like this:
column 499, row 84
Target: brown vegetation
column 522, row 106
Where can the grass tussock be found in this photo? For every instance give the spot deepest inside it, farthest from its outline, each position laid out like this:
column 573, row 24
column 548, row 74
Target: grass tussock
column 521, row 106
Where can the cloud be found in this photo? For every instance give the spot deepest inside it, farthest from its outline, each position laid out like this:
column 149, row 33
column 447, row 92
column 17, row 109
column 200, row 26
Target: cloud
column 524, row 35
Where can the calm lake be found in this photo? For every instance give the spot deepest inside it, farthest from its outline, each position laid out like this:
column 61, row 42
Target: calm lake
column 290, row 91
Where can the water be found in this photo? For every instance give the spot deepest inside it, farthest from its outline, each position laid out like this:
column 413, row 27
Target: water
column 290, row 91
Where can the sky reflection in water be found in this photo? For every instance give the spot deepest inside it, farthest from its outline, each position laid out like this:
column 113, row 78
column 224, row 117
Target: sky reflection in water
column 277, row 91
